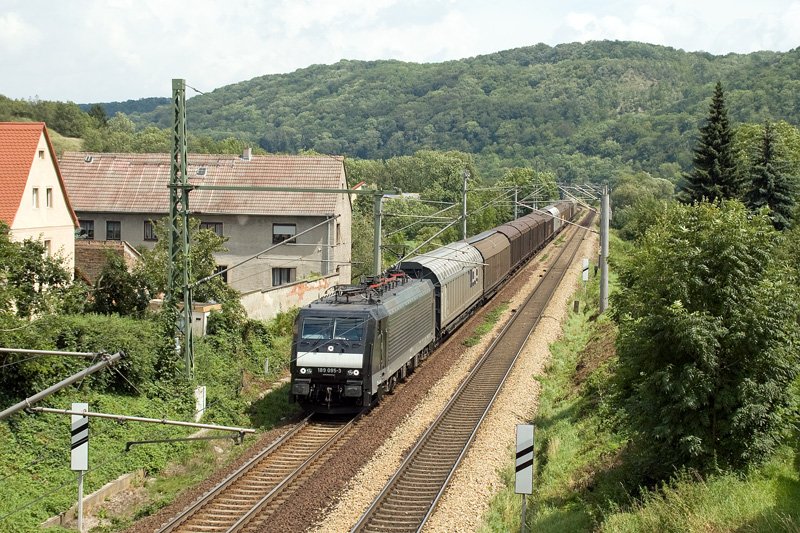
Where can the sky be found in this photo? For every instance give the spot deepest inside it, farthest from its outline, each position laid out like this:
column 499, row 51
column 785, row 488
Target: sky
column 88, row 51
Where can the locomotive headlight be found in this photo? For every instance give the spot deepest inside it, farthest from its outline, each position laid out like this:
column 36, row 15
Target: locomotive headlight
column 352, row 372
column 356, row 372
column 303, row 371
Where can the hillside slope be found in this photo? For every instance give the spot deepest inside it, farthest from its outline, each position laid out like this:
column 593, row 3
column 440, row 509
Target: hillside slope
column 582, row 109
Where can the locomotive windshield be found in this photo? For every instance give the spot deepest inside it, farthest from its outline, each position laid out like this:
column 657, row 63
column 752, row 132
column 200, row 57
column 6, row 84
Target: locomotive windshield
column 350, row 329
column 317, row 328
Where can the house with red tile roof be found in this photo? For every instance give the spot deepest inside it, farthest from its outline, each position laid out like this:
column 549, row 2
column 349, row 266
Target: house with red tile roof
column 118, row 197
column 33, row 197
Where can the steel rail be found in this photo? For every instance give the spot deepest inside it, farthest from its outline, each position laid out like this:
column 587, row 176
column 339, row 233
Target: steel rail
column 248, row 517
column 276, row 486
column 232, row 478
column 372, row 511
column 584, row 225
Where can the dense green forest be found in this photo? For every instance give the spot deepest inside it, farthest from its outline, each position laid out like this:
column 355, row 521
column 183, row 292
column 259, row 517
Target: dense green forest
column 584, row 111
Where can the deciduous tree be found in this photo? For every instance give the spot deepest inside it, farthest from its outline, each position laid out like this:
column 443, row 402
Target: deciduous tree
column 708, row 328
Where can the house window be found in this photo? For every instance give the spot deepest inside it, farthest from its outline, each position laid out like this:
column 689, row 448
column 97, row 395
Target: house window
column 41, row 154
column 150, row 231
column 220, row 268
column 48, row 247
column 113, row 230
column 35, row 197
column 338, row 233
column 87, row 229
column 49, row 197
column 282, row 276
column 216, row 227
column 283, row 232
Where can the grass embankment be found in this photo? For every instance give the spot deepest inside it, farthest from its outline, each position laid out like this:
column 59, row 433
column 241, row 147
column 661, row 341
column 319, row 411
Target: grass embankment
column 489, row 320
column 580, row 461
column 63, row 144
column 35, row 477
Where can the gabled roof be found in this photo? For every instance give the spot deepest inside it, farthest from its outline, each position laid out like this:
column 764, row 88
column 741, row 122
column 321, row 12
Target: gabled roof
column 137, row 183
column 18, row 144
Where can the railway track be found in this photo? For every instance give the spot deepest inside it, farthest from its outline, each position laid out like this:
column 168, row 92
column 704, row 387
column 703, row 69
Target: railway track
column 410, row 496
column 246, row 497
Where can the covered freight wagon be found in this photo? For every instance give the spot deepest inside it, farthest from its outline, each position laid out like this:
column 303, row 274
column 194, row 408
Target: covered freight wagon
column 456, row 271
column 495, row 248
column 513, row 231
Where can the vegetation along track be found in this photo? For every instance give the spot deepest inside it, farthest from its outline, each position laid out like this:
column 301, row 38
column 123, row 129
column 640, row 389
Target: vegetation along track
column 250, row 493
column 408, row 499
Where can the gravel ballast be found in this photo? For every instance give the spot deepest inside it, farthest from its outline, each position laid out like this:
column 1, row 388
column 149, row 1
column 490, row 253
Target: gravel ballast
column 478, row 477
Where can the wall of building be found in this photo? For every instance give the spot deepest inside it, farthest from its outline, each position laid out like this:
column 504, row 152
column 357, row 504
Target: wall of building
column 49, row 223
column 247, row 236
column 342, row 252
column 91, row 256
column 265, row 305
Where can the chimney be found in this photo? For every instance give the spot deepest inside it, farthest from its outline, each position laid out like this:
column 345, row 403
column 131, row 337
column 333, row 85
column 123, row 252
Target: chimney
column 247, row 155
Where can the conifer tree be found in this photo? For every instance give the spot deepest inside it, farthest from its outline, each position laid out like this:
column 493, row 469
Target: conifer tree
column 714, row 175
column 769, row 187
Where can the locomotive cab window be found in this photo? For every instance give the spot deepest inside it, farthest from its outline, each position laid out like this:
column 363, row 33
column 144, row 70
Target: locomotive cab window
column 349, row 329
column 317, row 328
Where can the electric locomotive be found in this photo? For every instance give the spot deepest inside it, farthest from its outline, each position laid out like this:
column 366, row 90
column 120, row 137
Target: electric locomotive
column 354, row 344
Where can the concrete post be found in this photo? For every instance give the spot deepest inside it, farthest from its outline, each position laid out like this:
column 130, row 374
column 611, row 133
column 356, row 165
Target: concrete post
column 464, row 208
column 377, row 212
column 604, row 212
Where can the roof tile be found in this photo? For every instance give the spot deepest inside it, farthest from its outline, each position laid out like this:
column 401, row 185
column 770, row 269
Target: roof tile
column 18, row 144
column 137, row 183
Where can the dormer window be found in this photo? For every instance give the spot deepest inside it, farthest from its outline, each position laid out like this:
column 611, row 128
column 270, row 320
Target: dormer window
column 41, row 154
column 201, row 171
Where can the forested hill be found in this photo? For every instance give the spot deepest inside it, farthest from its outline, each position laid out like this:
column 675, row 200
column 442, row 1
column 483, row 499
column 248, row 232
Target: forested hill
column 582, row 110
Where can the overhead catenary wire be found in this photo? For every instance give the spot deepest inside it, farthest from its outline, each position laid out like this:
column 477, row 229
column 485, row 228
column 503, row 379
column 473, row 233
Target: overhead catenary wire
column 240, row 263
column 20, row 361
column 563, row 220
column 412, row 199
column 419, row 221
column 427, row 241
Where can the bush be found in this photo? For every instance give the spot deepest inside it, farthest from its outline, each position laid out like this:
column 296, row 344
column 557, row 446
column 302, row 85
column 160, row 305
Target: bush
column 707, row 317
column 139, row 339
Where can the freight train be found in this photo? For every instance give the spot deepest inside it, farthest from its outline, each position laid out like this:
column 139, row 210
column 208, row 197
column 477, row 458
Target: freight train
column 354, row 344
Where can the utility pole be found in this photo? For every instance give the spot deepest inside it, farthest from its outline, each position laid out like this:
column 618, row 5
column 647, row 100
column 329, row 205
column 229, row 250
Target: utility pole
column 515, row 204
column 464, row 207
column 377, row 211
column 604, row 216
column 179, row 265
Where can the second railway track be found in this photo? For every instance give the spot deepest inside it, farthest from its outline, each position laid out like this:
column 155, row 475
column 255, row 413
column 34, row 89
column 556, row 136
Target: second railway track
column 409, row 498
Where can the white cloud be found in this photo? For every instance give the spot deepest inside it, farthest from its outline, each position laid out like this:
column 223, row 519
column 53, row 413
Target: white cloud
column 16, row 34
column 102, row 50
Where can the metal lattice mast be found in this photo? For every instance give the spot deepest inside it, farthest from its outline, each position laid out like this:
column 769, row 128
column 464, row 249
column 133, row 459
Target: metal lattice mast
column 179, row 265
